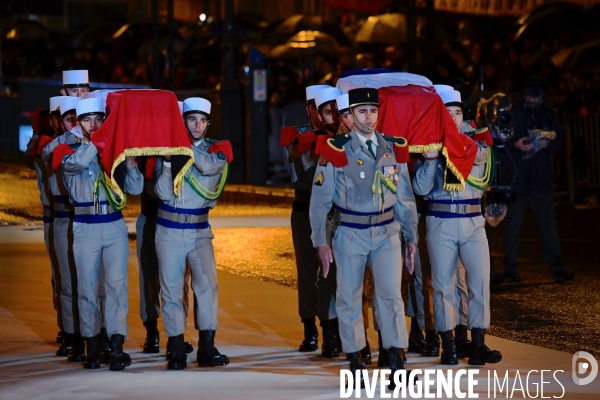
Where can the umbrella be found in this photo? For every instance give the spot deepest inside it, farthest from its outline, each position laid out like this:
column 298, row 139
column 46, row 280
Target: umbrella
column 306, row 43
column 584, row 58
column 298, row 23
column 384, row 28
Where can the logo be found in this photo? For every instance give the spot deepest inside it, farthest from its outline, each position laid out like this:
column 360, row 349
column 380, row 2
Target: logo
column 584, row 368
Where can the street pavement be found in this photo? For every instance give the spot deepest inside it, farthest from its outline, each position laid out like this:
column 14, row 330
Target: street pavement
column 258, row 329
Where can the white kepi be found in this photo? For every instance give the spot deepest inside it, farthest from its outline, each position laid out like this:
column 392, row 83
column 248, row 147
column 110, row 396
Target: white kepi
column 343, row 103
column 180, row 103
column 68, row 104
column 55, row 102
column 75, row 77
column 89, row 106
column 327, row 95
column 311, row 91
column 196, row 104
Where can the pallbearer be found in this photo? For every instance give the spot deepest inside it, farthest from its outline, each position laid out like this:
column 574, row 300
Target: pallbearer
column 183, row 235
column 99, row 236
column 75, row 83
column 363, row 174
column 455, row 230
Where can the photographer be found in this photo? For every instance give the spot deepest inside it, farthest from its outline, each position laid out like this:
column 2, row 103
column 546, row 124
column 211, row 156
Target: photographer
column 534, row 180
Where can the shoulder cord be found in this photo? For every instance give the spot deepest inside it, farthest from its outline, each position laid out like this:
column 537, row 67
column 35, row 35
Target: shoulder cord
column 490, row 170
column 379, row 181
column 204, row 192
column 117, row 204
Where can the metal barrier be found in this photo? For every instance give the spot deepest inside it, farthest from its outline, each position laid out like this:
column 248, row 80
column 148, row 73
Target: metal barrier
column 583, row 153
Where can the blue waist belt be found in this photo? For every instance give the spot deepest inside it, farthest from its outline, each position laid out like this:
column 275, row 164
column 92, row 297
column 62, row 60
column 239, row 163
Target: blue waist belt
column 63, row 208
column 95, row 213
column 48, row 216
column 361, row 220
column 182, row 218
column 454, row 209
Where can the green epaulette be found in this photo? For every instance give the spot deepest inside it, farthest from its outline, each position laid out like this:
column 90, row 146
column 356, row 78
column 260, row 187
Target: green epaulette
column 340, row 140
column 398, row 140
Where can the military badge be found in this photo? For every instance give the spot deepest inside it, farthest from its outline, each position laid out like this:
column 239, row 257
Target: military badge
column 360, row 162
column 387, row 155
column 319, row 179
column 362, row 175
column 391, row 172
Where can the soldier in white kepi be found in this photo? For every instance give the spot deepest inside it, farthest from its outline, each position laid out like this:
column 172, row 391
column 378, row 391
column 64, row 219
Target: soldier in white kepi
column 99, row 237
column 455, row 231
column 75, row 83
column 183, row 235
column 363, row 174
column 63, row 239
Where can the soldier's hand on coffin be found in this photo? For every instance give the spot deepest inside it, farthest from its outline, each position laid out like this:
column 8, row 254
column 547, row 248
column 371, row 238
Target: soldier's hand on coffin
column 522, row 145
column 409, row 259
column 431, row 155
column 130, row 162
column 326, row 258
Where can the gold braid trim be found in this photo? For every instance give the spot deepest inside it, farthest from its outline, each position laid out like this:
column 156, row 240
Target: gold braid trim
column 330, row 143
column 424, row 148
column 152, row 151
column 452, row 187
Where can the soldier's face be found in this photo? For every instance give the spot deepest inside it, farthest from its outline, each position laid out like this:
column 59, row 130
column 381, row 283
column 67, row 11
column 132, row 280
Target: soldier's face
column 196, row 124
column 346, row 121
column 56, row 123
column 91, row 123
column 456, row 114
column 69, row 121
column 313, row 113
column 367, row 117
column 330, row 116
column 75, row 91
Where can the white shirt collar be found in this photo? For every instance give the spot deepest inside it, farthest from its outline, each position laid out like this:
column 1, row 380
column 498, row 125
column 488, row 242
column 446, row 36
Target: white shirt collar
column 363, row 139
column 199, row 142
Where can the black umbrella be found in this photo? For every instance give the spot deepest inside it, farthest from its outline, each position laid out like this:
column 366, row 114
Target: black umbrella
column 297, row 23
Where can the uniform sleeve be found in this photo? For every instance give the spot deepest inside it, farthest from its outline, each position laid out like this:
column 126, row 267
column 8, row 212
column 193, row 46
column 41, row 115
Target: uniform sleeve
column 482, row 153
column 164, row 180
column 425, row 177
column 208, row 164
column 134, row 181
column 405, row 209
column 321, row 200
column 49, row 149
column 76, row 163
column 28, row 158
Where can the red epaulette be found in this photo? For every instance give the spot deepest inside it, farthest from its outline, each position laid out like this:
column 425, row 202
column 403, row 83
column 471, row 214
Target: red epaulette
column 224, row 147
column 321, row 140
column 483, row 135
column 305, row 141
column 400, row 148
column 60, row 152
column 41, row 142
column 333, row 150
column 149, row 167
column 288, row 135
column 472, row 124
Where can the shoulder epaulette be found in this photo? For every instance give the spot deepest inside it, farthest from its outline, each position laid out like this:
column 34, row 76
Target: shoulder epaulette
column 321, row 140
column 400, row 148
column 471, row 124
column 211, row 141
column 333, row 150
column 483, row 135
column 59, row 154
column 289, row 134
column 42, row 142
column 305, row 141
column 222, row 147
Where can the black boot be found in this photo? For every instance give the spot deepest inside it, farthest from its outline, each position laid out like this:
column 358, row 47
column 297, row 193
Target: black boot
column 311, row 336
column 208, row 355
column 178, row 358
column 383, row 360
column 403, row 356
column 151, row 344
column 396, row 364
column 366, row 352
column 480, row 353
column 92, row 353
column 462, row 342
column 416, row 341
column 187, row 347
column 118, row 358
column 356, row 363
column 329, row 348
column 104, row 344
column 65, row 347
column 77, row 353
column 60, row 336
column 432, row 344
column 448, row 349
